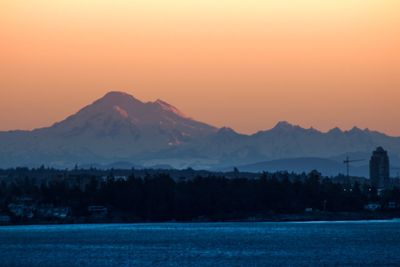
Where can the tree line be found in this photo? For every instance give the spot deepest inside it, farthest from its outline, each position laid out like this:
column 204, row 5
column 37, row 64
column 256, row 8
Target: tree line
column 158, row 197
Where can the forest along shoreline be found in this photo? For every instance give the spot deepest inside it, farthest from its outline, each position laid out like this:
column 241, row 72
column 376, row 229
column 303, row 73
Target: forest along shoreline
column 48, row 196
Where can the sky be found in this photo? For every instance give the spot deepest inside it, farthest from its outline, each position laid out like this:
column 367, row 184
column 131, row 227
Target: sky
column 242, row 64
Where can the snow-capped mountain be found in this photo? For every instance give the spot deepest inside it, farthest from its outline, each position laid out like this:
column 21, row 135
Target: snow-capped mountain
column 121, row 128
column 120, row 117
column 115, row 127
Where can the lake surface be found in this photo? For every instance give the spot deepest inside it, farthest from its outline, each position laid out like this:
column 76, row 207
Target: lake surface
column 373, row 243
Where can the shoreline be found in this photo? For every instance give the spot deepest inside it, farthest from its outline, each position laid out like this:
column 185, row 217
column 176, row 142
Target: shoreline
column 296, row 218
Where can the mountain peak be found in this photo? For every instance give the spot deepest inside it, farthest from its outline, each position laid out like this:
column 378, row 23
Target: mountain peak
column 117, row 97
column 335, row 130
column 284, row 125
column 355, row 129
column 117, row 93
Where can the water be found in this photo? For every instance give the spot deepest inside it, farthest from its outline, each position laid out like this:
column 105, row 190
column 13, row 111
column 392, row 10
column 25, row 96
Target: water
column 374, row 243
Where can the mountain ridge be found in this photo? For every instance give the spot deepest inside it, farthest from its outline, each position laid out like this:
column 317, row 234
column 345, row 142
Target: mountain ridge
column 119, row 127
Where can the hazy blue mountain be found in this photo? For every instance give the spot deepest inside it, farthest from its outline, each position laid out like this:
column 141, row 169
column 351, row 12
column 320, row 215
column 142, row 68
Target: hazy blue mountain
column 298, row 165
column 286, row 141
column 121, row 128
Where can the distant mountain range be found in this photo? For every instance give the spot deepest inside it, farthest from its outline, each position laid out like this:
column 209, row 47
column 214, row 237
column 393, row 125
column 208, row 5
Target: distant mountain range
column 120, row 130
column 329, row 167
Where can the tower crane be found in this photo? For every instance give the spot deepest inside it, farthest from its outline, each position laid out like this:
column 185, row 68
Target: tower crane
column 347, row 162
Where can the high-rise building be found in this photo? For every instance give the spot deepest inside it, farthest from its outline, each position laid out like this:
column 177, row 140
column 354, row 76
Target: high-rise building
column 379, row 168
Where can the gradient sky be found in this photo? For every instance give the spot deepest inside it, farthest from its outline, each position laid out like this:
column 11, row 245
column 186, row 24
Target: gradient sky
column 242, row 64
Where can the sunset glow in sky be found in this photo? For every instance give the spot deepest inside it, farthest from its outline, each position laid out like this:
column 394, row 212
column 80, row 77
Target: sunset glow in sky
column 242, row 64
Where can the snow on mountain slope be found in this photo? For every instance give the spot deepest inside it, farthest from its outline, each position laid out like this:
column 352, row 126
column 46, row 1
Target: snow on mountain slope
column 121, row 128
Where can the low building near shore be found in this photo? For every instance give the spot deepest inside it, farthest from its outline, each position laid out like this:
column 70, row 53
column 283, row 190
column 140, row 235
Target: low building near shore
column 51, row 212
column 373, row 207
column 21, row 210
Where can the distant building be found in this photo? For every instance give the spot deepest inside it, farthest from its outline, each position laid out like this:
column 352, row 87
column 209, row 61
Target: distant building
column 23, row 207
column 21, row 210
column 51, row 212
column 373, row 207
column 379, row 168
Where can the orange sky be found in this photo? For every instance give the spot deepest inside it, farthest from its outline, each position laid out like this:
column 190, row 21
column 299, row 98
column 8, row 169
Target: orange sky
column 242, row 64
